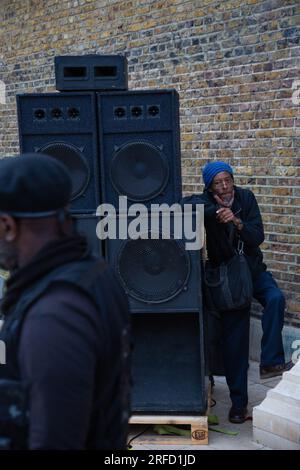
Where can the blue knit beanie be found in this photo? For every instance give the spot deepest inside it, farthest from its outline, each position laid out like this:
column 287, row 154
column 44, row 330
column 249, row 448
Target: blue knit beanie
column 212, row 169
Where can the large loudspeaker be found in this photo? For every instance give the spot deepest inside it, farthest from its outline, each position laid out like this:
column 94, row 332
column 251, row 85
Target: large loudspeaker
column 140, row 146
column 158, row 274
column 63, row 125
column 163, row 282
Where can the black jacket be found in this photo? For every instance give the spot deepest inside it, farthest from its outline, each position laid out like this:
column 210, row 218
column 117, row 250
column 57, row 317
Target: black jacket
column 219, row 247
column 67, row 344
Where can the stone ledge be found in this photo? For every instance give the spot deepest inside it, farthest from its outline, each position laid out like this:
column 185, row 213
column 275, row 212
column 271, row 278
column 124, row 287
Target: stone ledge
column 272, row 441
column 287, row 392
column 276, row 421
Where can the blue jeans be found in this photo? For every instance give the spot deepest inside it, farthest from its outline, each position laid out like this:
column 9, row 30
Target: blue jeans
column 268, row 294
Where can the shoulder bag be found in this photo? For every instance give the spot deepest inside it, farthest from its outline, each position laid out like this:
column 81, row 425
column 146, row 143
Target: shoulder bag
column 228, row 286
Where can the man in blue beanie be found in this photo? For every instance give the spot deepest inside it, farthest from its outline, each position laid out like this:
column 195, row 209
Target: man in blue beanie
column 65, row 321
column 232, row 216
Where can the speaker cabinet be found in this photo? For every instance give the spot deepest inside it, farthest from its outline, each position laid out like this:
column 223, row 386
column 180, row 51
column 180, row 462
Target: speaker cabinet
column 140, row 146
column 168, row 364
column 163, row 282
column 63, row 125
column 158, row 274
column 91, row 72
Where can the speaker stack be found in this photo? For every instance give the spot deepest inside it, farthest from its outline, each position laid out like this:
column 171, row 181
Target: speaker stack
column 119, row 142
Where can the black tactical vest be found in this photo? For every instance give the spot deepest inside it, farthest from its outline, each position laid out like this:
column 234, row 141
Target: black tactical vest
column 86, row 276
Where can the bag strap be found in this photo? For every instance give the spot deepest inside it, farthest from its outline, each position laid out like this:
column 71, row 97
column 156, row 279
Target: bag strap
column 240, row 247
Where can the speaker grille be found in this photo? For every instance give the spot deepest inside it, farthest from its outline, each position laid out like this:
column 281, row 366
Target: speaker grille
column 74, row 160
column 153, row 270
column 139, row 171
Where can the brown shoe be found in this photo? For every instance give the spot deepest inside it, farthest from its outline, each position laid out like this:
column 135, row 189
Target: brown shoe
column 266, row 372
column 238, row 415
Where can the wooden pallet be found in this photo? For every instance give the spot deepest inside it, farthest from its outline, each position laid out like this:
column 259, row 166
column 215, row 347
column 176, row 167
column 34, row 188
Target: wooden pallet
column 199, row 427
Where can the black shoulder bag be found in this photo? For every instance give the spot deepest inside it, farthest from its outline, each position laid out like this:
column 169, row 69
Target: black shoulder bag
column 228, row 286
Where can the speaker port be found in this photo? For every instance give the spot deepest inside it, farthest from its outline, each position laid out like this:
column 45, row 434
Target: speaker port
column 120, row 112
column 56, row 113
column 39, row 114
column 153, row 111
column 73, row 113
column 136, row 111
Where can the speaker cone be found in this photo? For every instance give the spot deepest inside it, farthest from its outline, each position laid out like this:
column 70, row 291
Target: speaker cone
column 153, row 270
column 75, row 162
column 139, row 170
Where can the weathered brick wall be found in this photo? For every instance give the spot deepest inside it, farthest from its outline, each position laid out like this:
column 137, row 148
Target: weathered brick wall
column 233, row 63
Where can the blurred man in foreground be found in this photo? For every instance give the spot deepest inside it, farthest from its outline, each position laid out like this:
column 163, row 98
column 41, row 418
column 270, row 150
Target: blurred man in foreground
column 66, row 321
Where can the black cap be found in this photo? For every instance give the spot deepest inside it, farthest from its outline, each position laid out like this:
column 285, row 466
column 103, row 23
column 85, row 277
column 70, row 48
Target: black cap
column 33, row 185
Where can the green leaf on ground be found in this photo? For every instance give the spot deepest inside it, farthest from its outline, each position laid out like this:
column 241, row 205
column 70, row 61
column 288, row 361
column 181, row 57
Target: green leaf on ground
column 169, row 429
column 224, row 431
column 213, row 420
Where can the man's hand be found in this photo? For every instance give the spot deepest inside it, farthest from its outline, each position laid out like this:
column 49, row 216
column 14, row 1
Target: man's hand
column 225, row 215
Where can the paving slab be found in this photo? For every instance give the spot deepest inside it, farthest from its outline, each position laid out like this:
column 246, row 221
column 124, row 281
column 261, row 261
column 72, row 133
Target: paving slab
column 257, row 393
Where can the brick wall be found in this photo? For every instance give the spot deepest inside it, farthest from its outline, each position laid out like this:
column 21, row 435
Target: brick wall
column 234, row 64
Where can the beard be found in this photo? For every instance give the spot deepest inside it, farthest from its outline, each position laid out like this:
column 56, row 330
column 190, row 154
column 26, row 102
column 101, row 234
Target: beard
column 225, row 200
column 8, row 256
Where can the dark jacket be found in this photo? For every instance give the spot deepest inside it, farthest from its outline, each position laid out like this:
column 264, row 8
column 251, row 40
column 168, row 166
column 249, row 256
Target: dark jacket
column 219, row 247
column 67, row 343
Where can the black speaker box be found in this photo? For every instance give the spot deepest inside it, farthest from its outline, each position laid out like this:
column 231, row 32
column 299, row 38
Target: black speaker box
column 158, row 274
column 64, row 126
column 163, row 282
column 140, row 146
column 169, row 364
column 91, row 72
